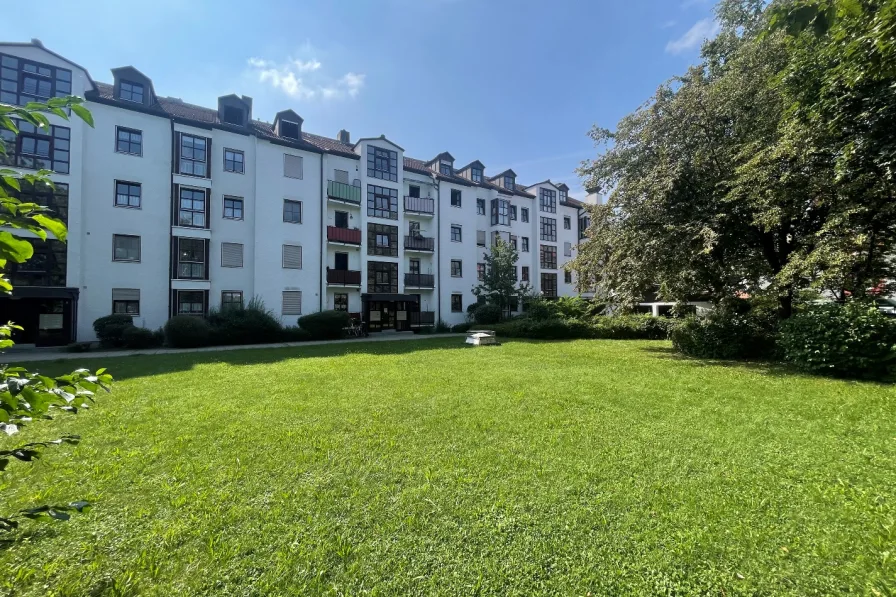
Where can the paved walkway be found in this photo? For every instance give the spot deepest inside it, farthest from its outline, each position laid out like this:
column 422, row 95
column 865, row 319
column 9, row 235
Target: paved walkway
column 55, row 354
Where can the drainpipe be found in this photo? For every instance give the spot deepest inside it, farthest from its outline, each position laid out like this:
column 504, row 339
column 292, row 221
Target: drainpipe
column 438, row 250
column 323, row 234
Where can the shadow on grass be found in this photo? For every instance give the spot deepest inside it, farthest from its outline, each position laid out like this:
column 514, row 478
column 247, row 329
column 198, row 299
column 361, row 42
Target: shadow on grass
column 143, row 365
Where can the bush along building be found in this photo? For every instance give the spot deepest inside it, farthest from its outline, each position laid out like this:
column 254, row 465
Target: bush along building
column 174, row 209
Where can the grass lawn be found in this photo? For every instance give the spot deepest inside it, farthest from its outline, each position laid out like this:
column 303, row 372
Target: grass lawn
column 431, row 468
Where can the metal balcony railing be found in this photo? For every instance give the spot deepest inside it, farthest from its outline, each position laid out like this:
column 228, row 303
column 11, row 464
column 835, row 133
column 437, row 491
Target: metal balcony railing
column 351, row 236
column 419, row 243
column 343, row 192
column 420, row 205
column 344, row 277
column 419, row 280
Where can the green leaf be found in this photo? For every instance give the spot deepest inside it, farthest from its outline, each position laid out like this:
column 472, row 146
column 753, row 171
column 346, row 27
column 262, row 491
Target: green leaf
column 14, row 248
column 84, row 113
column 53, row 225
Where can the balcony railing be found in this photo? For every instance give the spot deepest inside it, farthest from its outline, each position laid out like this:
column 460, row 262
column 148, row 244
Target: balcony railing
column 419, row 280
column 349, row 236
column 422, row 318
column 344, row 277
column 343, row 192
column 419, row 243
column 420, row 205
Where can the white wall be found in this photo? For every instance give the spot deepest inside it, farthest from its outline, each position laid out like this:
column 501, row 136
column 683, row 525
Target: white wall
column 466, row 250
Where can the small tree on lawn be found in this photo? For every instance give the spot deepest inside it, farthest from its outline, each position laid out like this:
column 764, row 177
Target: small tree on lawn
column 27, row 396
column 499, row 285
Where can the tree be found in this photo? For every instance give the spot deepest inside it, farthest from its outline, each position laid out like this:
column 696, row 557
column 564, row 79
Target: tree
column 718, row 187
column 499, row 283
column 26, row 396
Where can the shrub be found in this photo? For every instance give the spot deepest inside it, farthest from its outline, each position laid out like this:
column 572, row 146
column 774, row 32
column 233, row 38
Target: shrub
column 547, row 329
column 187, row 331
column 325, row 325
column 486, row 314
column 134, row 337
column 253, row 324
column 441, row 327
column 631, row 327
column 853, row 339
column 541, row 309
column 461, row 328
column 726, row 334
column 293, row 333
column 78, row 347
column 110, row 329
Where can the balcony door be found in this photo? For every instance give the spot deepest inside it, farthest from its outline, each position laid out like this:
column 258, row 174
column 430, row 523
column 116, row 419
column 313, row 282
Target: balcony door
column 414, row 266
column 341, row 261
column 414, row 229
column 342, row 219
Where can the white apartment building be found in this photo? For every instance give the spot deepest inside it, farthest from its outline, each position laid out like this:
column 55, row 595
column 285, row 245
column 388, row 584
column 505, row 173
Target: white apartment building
column 174, row 209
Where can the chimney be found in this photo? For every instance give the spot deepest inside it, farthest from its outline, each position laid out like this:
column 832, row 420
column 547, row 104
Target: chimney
column 37, row 42
column 248, row 101
column 343, row 136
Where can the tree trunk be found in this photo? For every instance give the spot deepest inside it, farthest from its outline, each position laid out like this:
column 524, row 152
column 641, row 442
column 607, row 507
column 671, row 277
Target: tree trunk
column 785, row 304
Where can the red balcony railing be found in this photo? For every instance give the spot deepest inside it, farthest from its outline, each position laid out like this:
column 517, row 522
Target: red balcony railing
column 351, row 236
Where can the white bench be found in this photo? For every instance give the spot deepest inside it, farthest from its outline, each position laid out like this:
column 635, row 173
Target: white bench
column 481, row 337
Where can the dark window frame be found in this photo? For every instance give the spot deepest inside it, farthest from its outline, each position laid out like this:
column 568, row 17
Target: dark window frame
column 547, row 256
column 547, row 200
column 292, row 203
column 459, row 237
column 476, row 174
column 338, row 304
column 480, row 207
column 57, row 142
column 139, row 248
column 457, row 268
column 135, row 92
column 181, row 294
column 380, row 197
column 227, row 301
column 191, row 150
column 129, row 186
column 230, row 164
column 456, row 194
column 382, row 276
column 382, row 163
column 525, row 244
column 129, row 142
column 457, row 302
column 192, row 210
column 375, row 232
column 524, row 273
column 233, row 208
column 124, row 311
column 549, row 284
column 500, row 212
column 567, row 277
column 548, row 229
column 524, row 214
column 567, row 223
column 13, row 76
column 181, row 260
column 480, row 271
column 509, row 183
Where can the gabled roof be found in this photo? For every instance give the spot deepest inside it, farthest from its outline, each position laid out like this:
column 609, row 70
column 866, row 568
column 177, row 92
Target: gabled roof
column 380, row 138
column 442, row 156
column 288, row 115
column 548, row 181
column 502, row 174
column 473, row 163
column 36, row 43
column 124, row 70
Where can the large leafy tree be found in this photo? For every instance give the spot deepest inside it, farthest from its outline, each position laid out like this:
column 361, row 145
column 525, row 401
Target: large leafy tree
column 719, row 187
column 25, row 396
column 499, row 284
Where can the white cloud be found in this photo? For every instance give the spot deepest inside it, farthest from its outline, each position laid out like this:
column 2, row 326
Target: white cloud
column 303, row 79
column 668, row 24
column 703, row 29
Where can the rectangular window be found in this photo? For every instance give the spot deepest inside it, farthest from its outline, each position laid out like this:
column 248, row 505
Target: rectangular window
column 455, row 198
column 340, row 301
column 513, row 212
column 456, row 268
column 55, row 198
column 500, row 212
column 446, row 168
column 232, row 115
column 476, row 174
column 23, row 81
column 126, row 301
column 567, row 223
column 128, row 141
column 549, row 229
column 514, row 274
column 45, row 268
column 567, row 277
column 193, row 155
column 340, row 262
column 549, row 285
column 524, row 274
column 292, row 166
column 382, row 277
column 509, row 183
column 233, row 208
column 567, row 249
column 292, row 257
column 480, row 238
column 524, row 215
column 125, row 247
column 292, row 302
column 414, row 266
column 457, row 303
column 382, row 239
column 231, row 255
column 127, row 194
column 190, row 302
column 548, row 256
column 513, row 242
column 191, row 210
column 456, row 233
column 231, row 299
column 340, row 176
column 547, row 200
column 562, row 196
column 525, row 244
column 382, row 202
column 191, row 259
column 382, row 163
column 37, row 149
column 234, row 161
column 292, row 211
column 480, row 207
column 341, row 219
column 414, row 191
column 289, row 129
column 131, row 91
column 480, row 271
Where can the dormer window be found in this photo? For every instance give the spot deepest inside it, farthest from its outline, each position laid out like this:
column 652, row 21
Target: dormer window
column 289, row 129
column 233, row 115
column 445, row 168
column 131, row 92
column 508, row 183
column 476, row 174
column 562, row 196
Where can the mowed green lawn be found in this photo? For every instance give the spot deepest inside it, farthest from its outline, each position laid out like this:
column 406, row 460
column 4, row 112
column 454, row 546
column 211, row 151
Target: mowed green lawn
column 432, row 468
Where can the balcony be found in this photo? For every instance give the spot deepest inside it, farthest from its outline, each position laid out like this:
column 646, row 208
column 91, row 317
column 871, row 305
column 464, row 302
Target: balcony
column 419, row 243
column 419, row 281
column 421, row 206
column 343, row 277
column 341, row 192
column 343, row 236
column 421, row 319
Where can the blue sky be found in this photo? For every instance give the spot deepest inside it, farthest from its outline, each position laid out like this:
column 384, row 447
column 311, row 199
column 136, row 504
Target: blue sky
column 510, row 83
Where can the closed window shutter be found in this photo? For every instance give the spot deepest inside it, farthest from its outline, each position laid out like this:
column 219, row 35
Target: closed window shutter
column 292, row 257
column 292, row 166
column 231, row 255
column 292, row 302
column 125, row 294
column 480, row 237
column 342, row 176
